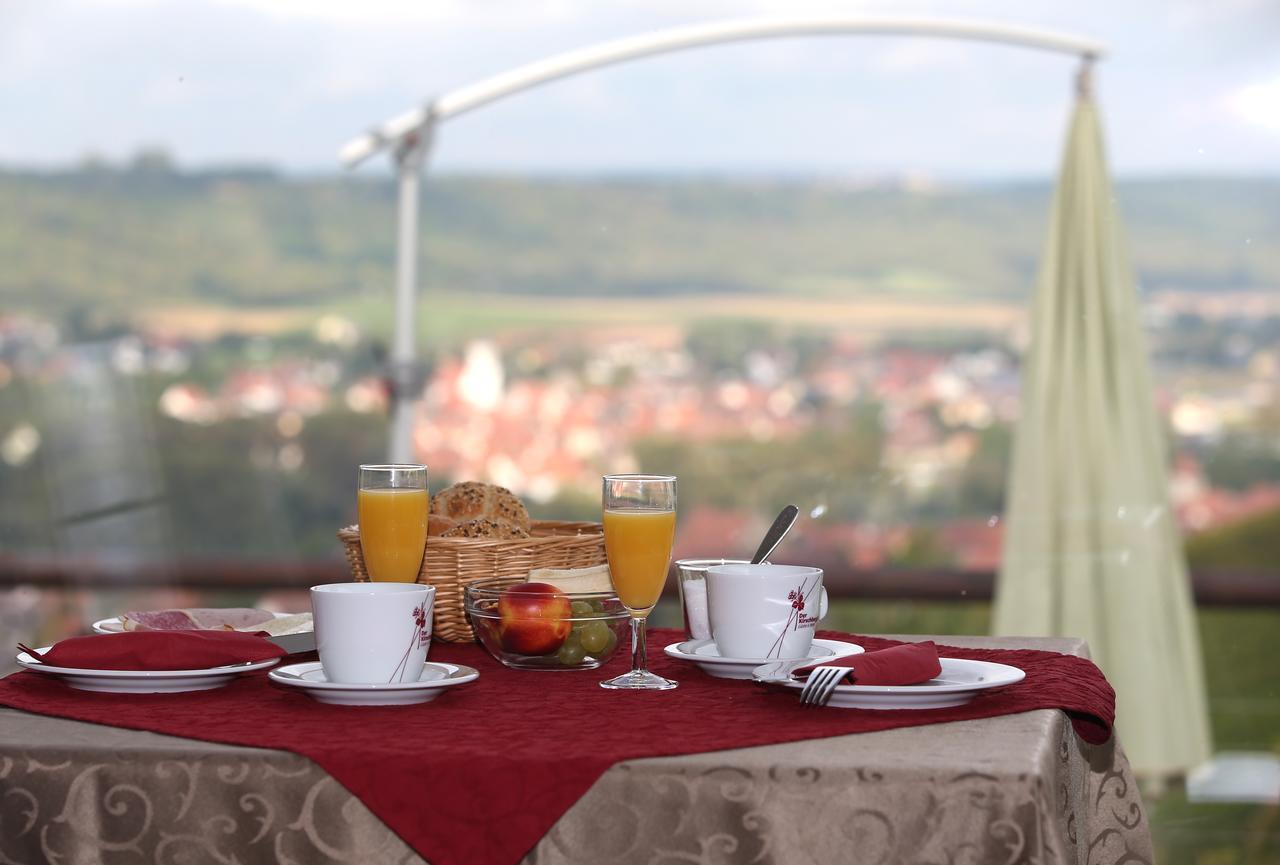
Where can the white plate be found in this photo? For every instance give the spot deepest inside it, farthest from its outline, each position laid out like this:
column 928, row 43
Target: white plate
column 705, row 655
column 435, row 678
column 143, row 681
column 959, row 683
column 113, row 625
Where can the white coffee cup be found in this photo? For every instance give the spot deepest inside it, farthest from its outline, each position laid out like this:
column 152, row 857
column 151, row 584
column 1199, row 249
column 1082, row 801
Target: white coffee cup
column 373, row 633
column 764, row 611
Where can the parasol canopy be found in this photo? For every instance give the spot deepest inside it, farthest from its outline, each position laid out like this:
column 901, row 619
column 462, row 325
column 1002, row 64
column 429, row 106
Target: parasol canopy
column 1091, row 548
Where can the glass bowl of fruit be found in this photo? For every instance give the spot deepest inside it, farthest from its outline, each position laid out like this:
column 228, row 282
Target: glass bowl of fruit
column 535, row 626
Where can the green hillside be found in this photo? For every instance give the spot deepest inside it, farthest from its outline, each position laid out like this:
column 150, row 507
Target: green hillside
column 106, row 237
column 1244, row 545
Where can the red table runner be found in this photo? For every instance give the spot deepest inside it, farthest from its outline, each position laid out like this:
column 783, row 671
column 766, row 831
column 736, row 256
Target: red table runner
column 481, row 773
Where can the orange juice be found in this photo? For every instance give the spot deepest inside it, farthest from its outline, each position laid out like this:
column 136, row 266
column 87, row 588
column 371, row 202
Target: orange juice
column 393, row 533
column 638, row 543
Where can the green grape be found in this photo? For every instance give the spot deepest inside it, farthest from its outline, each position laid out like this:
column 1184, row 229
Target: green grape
column 571, row 653
column 594, row 637
column 582, row 609
column 597, row 605
column 611, row 645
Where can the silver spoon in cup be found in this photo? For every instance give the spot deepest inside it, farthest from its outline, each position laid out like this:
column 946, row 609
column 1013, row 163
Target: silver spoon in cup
column 785, row 520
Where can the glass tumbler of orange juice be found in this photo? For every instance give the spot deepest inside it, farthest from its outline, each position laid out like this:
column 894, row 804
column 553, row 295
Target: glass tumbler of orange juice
column 393, row 502
column 639, row 528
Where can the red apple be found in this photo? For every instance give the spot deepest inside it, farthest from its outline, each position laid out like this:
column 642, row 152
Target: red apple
column 534, row 618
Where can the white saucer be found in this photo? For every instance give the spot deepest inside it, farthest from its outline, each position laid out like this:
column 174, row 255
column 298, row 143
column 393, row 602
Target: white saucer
column 705, row 655
column 959, row 683
column 143, row 681
column 435, row 678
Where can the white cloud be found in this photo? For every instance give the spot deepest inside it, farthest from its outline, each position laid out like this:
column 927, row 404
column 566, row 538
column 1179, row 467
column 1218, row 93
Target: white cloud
column 1192, row 15
column 403, row 11
column 346, row 11
column 915, row 55
column 1258, row 104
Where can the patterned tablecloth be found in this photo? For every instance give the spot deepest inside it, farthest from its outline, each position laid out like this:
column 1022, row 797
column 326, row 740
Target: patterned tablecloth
column 1014, row 789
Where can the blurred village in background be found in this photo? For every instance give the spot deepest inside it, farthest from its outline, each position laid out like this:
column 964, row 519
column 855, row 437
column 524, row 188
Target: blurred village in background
column 895, row 445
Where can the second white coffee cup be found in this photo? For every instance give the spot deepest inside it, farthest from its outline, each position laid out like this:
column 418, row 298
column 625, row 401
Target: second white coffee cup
column 373, row 633
column 764, row 611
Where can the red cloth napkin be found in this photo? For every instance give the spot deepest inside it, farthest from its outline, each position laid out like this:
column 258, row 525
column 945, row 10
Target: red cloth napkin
column 908, row 664
column 160, row 650
column 484, row 771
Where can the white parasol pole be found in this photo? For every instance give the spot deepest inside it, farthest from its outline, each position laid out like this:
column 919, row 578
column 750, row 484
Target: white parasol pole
column 530, row 75
column 406, row 375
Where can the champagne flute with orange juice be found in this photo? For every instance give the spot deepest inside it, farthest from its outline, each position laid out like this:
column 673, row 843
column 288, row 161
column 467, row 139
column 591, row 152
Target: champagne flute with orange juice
column 393, row 503
column 639, row 528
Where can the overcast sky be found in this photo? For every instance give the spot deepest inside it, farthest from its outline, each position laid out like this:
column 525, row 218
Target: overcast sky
column 1192, row 86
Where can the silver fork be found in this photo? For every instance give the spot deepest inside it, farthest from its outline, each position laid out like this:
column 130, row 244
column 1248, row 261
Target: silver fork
column 821, row 684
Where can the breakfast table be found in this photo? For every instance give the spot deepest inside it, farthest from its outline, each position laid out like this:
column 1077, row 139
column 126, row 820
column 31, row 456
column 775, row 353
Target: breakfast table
column 1015, row 788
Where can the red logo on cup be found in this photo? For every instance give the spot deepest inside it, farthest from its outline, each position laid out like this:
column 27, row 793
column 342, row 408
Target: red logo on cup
column 797, row 619
column 421, row 636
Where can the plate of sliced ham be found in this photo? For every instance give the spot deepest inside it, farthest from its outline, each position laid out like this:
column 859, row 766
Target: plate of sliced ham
column 207, row 618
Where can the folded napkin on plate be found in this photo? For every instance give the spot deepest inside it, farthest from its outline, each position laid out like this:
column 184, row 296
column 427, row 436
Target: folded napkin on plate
column 908, row 664
column 160, row 650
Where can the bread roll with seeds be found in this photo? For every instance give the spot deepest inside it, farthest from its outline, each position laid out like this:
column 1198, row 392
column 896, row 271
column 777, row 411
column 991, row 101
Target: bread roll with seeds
column 484, row 527
column 472, row 500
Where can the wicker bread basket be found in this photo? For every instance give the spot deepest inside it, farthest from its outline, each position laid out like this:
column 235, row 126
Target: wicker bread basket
column 451, row 563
